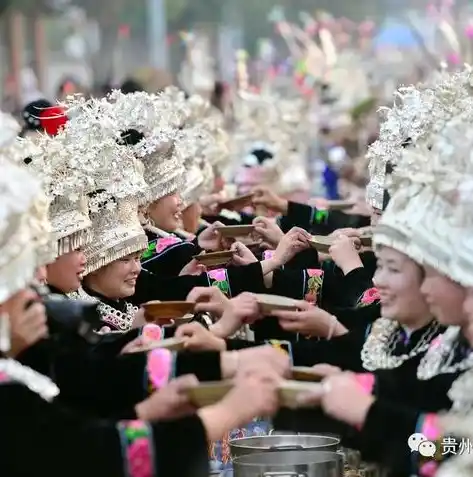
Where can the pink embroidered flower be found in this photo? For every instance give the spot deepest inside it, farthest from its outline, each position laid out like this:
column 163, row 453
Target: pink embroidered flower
column 219, row 274
column 315, row 272
column 165, row 242
column 429, row 469
column 152, row 332
column 159, row 367
column 366, row 382
column 370, row 296
column 139, row 458
column 268, row 254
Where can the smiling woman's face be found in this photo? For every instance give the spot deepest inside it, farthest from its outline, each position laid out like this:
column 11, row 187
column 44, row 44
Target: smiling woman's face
column 445, row 298
column 398, row 280
column 65, row 273
column 117, row 279
column 165, row 212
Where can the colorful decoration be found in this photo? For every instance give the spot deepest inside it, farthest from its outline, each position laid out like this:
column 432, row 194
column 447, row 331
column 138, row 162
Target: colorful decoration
column 136, row 439
column 314, row 284
column 219, row 278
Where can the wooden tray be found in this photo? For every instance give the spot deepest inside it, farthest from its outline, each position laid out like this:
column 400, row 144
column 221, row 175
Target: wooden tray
column 366, row 240
column 209, row 393
column 270, row 303
column 172, row 344
column 305, row 373
column 321, row 243
column 168, row 309
column 215, row 259
column 237, row 203
column 340, row 204
column 233, row 231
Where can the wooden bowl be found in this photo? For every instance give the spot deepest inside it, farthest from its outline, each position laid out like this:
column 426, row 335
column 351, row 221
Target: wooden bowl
column 321, row 243
column 289, row 391
column 366, row 240
column 238, row 203
column 215, row 259
column 234, row 231
column 172, row 344
column 340, row 204
column 305, row 373
column 270, row 303
column 209, row 393
column 168, row 309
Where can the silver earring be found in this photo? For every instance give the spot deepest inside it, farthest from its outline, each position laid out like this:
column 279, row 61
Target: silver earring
column 5, row 335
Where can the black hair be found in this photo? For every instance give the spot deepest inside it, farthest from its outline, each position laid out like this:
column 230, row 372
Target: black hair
column 131, row 86
column 261, row 155
column 131, row 137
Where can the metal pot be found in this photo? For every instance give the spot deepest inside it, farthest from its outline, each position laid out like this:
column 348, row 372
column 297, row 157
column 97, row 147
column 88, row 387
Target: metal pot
column 289, row 464
column 283, row 442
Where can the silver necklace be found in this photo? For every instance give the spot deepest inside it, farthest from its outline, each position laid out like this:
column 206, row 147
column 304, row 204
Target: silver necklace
column 34, row 381
column 110, row 315
column 439, row 359
column 377, row 352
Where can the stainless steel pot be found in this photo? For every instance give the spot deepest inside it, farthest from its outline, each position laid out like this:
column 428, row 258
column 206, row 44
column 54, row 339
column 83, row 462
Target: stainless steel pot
column 289, row 464
column 285, row 442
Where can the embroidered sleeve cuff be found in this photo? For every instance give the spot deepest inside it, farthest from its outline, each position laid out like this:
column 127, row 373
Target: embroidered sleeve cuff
column 160, row 368
column 137, row 449
column 314, row 278
column 219, row 278
column 318, row 216
column 284, row 346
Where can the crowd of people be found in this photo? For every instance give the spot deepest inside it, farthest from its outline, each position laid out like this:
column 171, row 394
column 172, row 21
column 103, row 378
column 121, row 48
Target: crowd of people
column 110, row 203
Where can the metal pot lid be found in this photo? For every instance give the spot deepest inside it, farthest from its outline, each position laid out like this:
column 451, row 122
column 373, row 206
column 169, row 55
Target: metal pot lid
column 299, row 441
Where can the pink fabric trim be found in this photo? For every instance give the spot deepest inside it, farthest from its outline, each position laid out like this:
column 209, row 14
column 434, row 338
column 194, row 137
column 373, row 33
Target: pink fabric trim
column 159, row 367
column 217, row 274
column 137, row 438
column 429, row 469
column 152, row 332
column 268, row 254
column 366, row 381
column 430, row 427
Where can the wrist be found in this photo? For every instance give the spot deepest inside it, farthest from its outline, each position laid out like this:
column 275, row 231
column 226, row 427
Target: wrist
column 217, row 420
column 142, row 411
column 282, row 206
column 218, row 344
column 229, row 364
column 270, row 265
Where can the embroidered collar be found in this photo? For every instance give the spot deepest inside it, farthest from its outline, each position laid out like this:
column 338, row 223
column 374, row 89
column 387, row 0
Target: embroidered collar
column 117, row 315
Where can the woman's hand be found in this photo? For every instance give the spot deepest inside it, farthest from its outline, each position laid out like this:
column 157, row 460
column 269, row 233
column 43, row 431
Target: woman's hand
column 254, row 394
column 193, row 268
column 265, row 197
column 208, row 300
column 345, row 254
column 267, row 230
column 241, row 310
column 251, row 359
column 169, row 402
column 310, row 320
column 209, row 239
column 242, row 255
column 295, row 241
column 344, row 399
column 28, row 321
column 197, row 338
